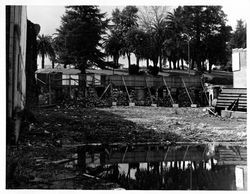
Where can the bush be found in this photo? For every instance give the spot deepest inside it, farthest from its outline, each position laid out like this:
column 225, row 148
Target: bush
column 153, row 70
column 133, row 70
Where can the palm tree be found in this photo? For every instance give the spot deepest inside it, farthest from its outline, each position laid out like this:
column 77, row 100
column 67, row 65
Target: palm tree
column 113, row 47
column 175, row 43
column 44, row 47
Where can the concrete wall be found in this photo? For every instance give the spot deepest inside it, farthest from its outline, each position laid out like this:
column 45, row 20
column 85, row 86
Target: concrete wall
column 239, row 61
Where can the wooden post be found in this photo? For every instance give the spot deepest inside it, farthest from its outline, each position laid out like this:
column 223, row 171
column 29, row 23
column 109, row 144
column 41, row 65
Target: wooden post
column 245, row 178
column 204, row 91
column 81, row 151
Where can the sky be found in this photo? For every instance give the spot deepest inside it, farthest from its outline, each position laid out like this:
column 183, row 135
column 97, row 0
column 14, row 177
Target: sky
column 49, row 17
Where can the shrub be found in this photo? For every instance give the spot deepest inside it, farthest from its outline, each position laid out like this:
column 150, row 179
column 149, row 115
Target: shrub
column 133, row 70
column 153, row 70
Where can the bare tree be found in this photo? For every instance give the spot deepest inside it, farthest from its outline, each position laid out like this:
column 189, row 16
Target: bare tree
column 153, row 20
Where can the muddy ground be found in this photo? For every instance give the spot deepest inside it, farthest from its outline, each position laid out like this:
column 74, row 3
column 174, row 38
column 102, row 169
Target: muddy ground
column 42, row 159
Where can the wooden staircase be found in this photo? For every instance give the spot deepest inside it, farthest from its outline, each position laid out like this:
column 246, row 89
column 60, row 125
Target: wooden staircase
column 228, row 96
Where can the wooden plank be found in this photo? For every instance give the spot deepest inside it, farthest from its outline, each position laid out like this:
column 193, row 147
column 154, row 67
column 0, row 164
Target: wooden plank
column 204, row 91
column 234, row 90
column 232, row 163
column 221, row 99
column 233, row 95
column 243, row 96
column 230, row 102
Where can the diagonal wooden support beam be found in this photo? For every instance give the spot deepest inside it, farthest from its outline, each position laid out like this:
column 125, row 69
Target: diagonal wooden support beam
column 104, row 91
column 184, row 157
column 187, row 91
column 169, row 93
column 150, row 95
column 124, row 154
column 166, row 154
column 124, row 83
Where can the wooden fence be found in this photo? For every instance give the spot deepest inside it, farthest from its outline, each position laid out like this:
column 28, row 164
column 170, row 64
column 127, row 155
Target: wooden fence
column 154, row 81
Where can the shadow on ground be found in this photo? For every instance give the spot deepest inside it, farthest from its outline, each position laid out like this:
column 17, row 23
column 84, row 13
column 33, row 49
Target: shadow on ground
column 41, row 143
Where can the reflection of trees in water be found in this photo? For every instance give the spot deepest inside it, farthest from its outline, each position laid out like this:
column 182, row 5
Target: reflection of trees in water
column 177, row 178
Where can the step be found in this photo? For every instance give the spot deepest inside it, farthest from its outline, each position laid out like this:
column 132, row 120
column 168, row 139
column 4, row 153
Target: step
column 234, row 90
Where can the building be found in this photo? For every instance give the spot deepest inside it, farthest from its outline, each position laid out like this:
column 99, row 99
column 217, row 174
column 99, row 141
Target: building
column 239, row 63
column 233, row 101
column 16, row 65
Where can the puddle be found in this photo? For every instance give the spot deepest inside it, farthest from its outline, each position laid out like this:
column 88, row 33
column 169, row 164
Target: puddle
column 170, row 167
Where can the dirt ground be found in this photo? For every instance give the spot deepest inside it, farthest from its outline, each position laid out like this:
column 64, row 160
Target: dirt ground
column 188, row 124
column 38, row 160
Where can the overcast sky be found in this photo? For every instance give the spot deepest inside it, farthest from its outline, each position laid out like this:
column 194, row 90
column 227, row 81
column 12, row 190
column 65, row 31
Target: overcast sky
column 49, row 17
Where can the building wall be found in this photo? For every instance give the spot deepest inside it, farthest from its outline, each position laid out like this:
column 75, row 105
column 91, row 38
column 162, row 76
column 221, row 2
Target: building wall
column 239, row 61
column 16, row 31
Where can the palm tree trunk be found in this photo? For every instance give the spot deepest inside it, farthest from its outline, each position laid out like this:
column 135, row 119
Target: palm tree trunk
column 137, row 61
column 129, row 61
column 53, row 64
column 174, row 63
column 170, row 65
column 192, row 65
column 42, row 61
column 160, row 62
column 209, row 67
column 203, row 66
column 117, row 60
column 178, row 64
column 155, row 62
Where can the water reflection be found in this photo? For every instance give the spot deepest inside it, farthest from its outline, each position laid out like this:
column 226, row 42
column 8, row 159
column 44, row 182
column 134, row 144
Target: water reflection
column 196, row 167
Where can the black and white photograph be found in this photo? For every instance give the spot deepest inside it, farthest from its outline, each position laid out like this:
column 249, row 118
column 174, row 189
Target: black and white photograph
column 130, row 95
